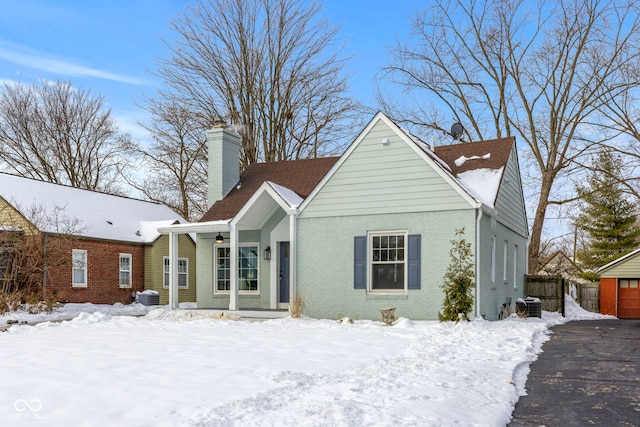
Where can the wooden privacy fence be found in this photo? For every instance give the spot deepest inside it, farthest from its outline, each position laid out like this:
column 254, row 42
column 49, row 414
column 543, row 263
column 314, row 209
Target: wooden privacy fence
column 586, row 294
column 551, row 289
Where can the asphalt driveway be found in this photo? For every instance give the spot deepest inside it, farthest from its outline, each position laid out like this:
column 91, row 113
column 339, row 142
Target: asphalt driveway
column 587, row 374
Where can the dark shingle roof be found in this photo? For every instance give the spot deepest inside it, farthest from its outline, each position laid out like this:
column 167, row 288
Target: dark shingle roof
column 300, row 176
column 498, row 149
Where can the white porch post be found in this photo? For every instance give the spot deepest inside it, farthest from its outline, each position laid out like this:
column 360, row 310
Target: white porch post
column 292, row 256
column 233, row 266
column 173, row 270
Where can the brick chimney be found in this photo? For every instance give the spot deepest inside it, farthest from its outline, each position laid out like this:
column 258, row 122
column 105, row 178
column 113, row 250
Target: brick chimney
column 224, row 162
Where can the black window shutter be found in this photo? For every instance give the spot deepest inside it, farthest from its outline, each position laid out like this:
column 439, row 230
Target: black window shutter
column 360, row 262
column 414, row 261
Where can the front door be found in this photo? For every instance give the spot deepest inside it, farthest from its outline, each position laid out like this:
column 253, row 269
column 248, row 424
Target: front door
column 283, row 298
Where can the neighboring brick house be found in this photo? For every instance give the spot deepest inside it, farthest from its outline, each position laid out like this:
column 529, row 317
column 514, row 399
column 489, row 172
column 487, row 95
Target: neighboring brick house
column 108, row 246
column 368, row 230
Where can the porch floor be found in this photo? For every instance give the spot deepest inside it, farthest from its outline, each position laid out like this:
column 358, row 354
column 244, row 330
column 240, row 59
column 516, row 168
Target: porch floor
column 242, row 314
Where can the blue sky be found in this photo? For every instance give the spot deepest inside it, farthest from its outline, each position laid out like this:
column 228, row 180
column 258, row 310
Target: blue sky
column 110, row 47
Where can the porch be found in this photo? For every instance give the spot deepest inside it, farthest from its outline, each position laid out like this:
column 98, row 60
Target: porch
column 242, row 314
column 248, row 260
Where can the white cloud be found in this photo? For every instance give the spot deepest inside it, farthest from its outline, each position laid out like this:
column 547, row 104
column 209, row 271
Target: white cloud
column 43, row 61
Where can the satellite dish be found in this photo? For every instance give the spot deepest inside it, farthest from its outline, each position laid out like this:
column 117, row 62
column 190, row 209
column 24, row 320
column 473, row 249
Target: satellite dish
column 456, row 131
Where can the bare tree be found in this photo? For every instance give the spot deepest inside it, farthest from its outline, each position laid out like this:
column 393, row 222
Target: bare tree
column 544, row 71
column 27, row 254
column 268, row 67
column 56, row 133
column 175, row 161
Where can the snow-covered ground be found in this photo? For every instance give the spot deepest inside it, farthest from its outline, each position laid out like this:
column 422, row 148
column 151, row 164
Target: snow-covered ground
column 108, row 368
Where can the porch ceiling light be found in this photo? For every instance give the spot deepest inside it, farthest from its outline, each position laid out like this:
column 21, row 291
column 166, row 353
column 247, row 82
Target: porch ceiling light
column 219, row 238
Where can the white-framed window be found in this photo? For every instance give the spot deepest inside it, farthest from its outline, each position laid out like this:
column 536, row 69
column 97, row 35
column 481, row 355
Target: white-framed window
column 248, row 268
column 79, row 268
column 125, row 270
column 183, row 272
column 493, row 259
column 387, row 259
column 223, row 269
column 505, row 256
column 629, row 283
column 515, row 266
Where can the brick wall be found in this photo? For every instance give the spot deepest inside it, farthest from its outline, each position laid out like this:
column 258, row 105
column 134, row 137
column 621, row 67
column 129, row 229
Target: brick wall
column 608, row 296
column 103, row 272
column 325, row 263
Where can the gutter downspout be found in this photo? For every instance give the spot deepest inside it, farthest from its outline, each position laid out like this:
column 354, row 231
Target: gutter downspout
column 45, row 267
column 478, row 218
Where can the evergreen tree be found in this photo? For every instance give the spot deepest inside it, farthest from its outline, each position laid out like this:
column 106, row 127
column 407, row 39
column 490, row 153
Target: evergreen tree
column 607, row 219
column 458, row 281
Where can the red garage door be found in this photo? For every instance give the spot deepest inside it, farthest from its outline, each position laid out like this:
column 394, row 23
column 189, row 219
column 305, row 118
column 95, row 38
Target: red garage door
column 629, row 299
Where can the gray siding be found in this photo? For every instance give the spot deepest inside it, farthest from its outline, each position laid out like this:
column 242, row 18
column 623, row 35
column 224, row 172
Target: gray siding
column 495, row 293
column 510, row 200
column 382, row 179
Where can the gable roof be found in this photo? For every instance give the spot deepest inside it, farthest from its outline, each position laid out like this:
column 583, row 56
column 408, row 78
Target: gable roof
column 297, row 176
column 478, row 166
column 618, row 261
column 98, row 215
column 474, row 169
column 490, row 154
column 558, row 260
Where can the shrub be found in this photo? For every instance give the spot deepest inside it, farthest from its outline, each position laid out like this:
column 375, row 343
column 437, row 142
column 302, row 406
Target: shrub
column 458, row 281
column 297, row 307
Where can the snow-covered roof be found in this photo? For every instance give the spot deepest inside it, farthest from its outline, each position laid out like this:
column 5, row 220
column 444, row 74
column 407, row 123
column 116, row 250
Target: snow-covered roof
column 463, row 159
column 289, row 196
column 477, row 167
column 617, row 261
column 482, row 184
column 55, row 208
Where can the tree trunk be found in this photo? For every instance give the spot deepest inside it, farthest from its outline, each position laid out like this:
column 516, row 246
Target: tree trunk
column 538, row 222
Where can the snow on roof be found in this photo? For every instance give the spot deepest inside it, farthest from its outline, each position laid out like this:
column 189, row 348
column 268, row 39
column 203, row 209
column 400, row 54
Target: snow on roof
column 289, row 196
column 426, row 148
column 618, row 260
column 462, row 159
column 149, row 229
column 92, row 214
column 482, row 184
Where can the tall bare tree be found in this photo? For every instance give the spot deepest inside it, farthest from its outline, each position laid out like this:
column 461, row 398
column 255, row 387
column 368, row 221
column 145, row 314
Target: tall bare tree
column 54, row 132
column 268, row 67
column 544, row 71
column 175, row 161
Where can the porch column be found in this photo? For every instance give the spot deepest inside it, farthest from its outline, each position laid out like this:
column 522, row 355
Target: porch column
column 173, row 271
column 292, row 256
column 233, row 266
